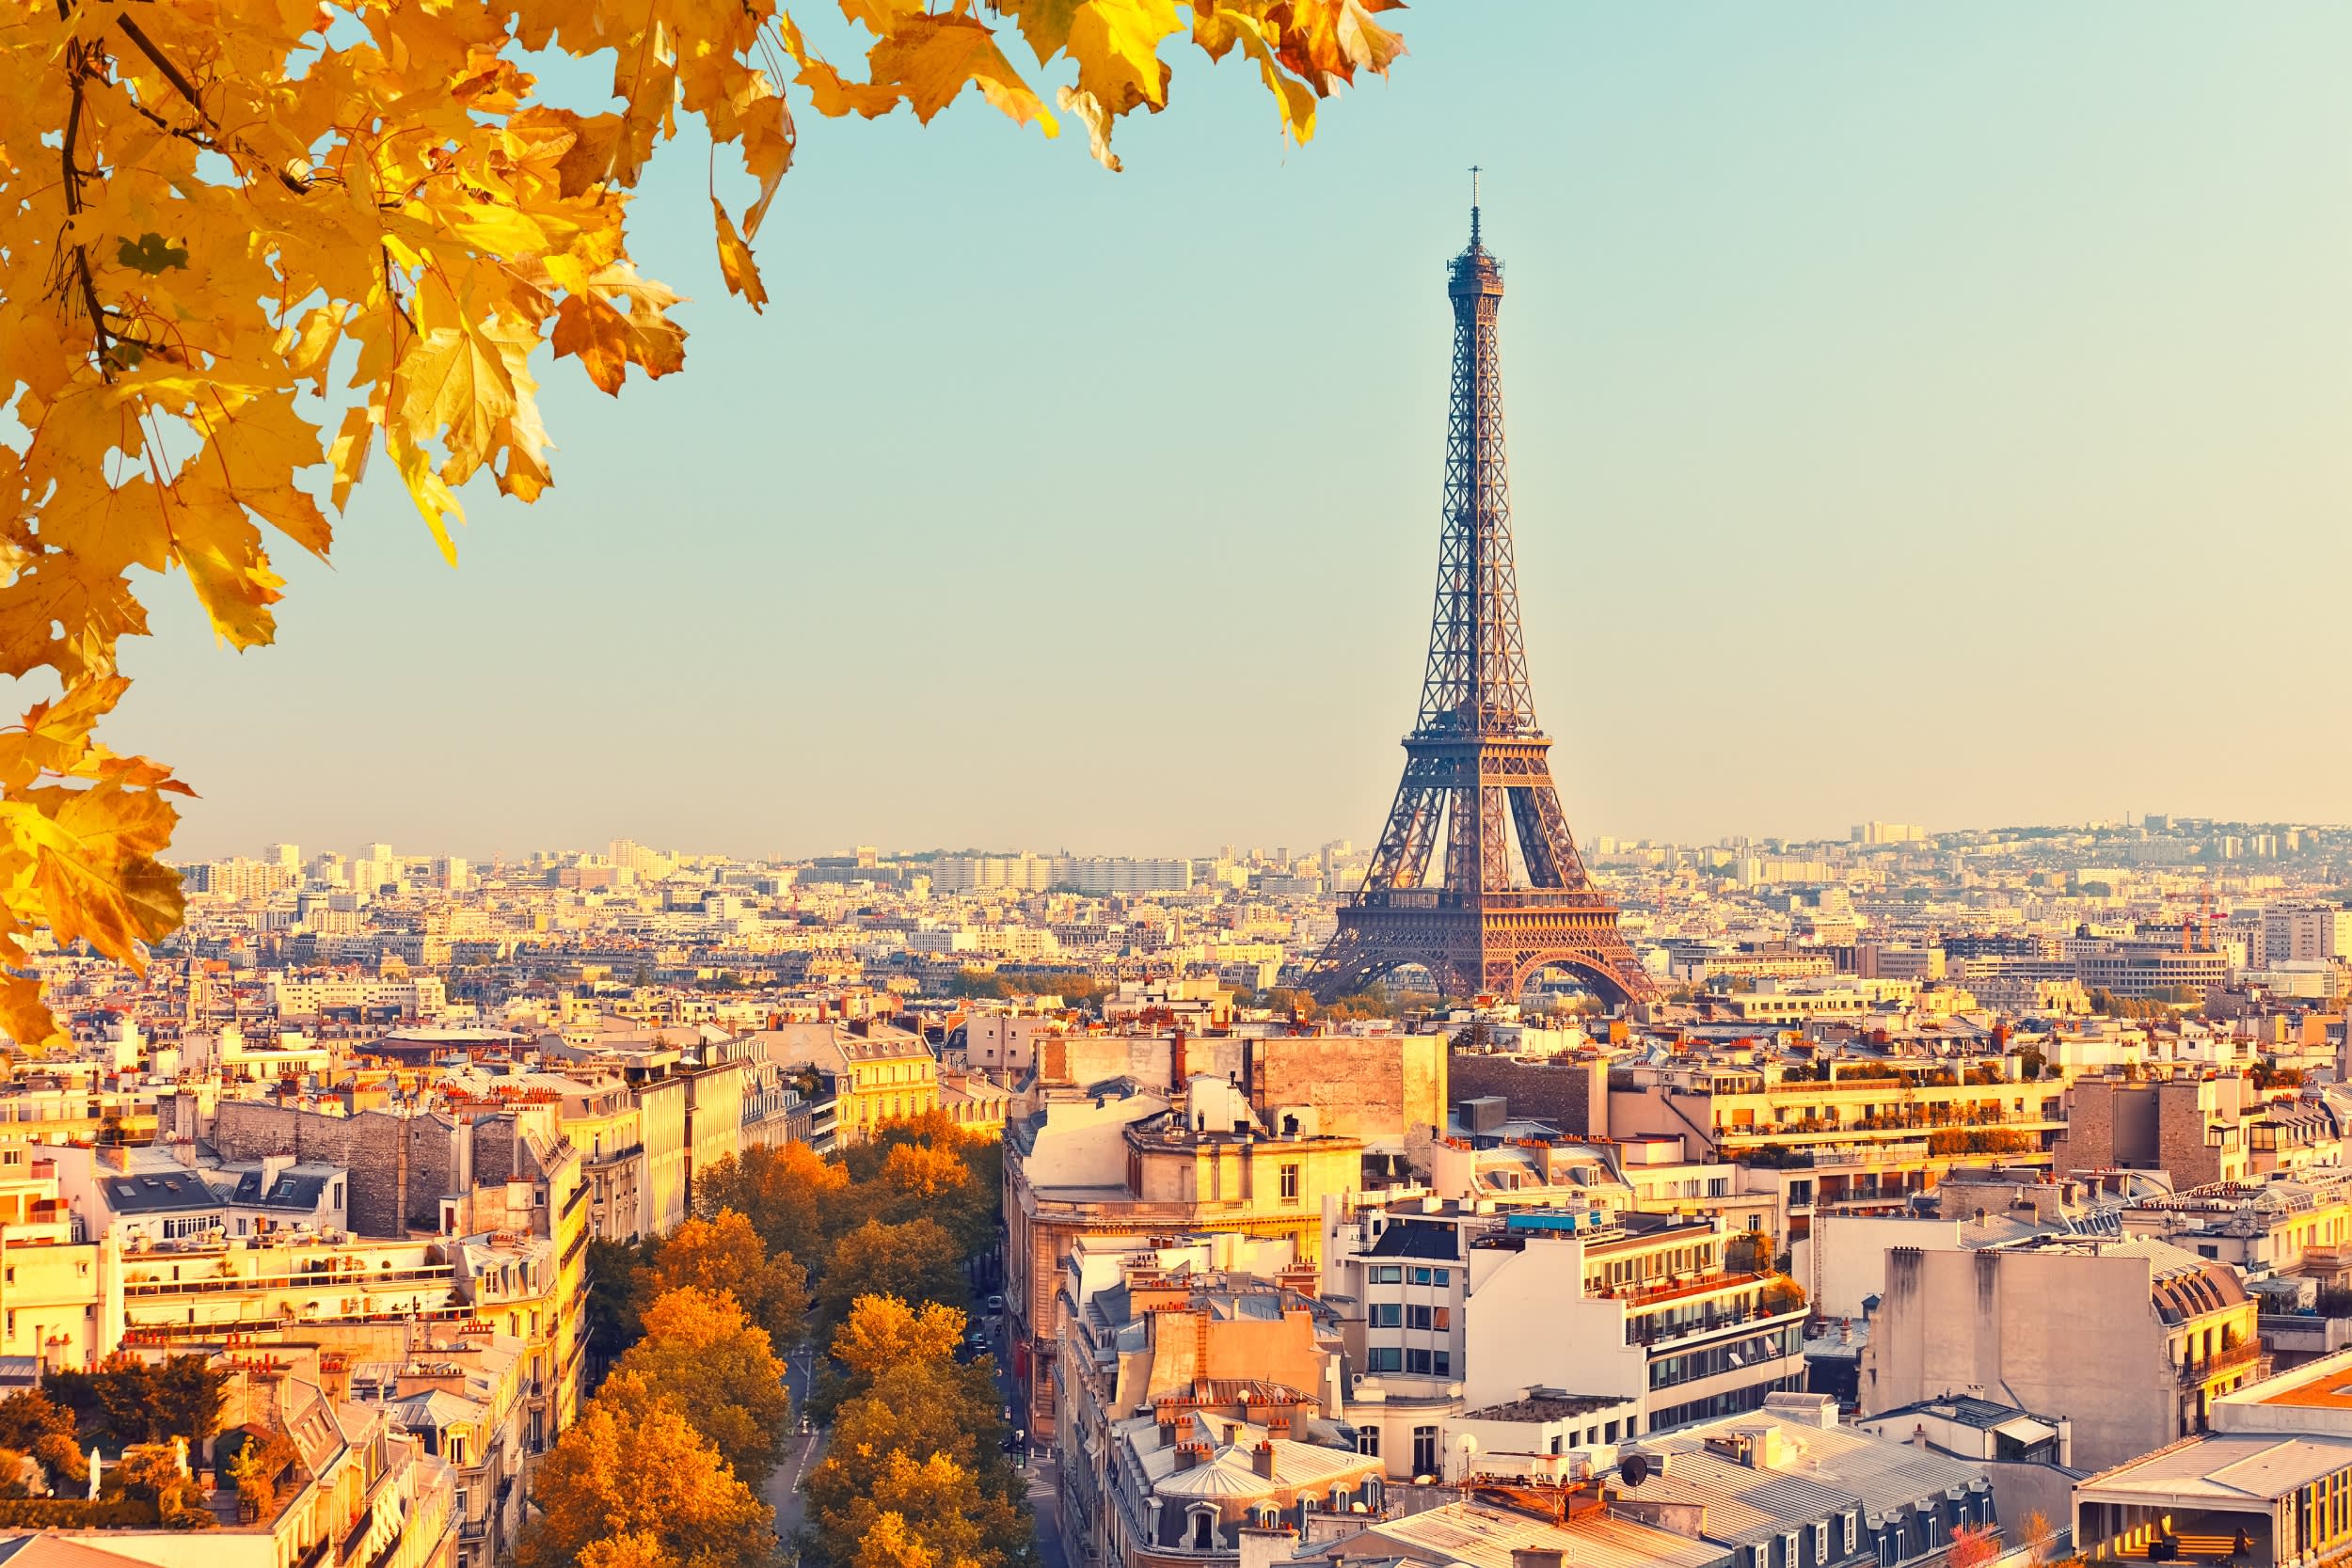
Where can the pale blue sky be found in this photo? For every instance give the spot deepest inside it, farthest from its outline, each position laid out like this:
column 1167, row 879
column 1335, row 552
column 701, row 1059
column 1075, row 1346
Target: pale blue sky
column 1930, row 413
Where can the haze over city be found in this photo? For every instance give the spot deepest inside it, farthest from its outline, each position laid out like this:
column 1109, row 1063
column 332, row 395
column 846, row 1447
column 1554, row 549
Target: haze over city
column 1568, row 802
column 1916, row 414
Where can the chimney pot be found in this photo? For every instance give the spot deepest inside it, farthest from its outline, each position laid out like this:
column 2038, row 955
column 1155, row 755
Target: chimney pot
column 1262, row 1459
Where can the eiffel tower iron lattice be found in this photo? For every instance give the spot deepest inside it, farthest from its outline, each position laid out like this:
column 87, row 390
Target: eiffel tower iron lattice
column 1476, row 751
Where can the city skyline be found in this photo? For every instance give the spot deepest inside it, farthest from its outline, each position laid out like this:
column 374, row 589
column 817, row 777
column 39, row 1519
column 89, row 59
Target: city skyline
column 2061, row 385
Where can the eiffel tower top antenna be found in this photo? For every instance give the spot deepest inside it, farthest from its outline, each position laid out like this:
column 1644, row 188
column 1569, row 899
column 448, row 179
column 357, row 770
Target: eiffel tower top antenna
column 1473, row 205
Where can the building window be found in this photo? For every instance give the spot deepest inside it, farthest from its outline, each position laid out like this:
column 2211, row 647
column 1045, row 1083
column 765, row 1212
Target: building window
column 1440, row 1276
column 1850, row 1532
column 1368, row 1442
column 1820, row 1543
column 1424, row 1451
column 1417, row 1361
column 1386, row 1273
column 1444, row 1359
column 1421, row 1276
column 1290, row 1183
column 1417, row 1317
column 1384, row 1358
column 1442, row 1317
column 1384, row 1314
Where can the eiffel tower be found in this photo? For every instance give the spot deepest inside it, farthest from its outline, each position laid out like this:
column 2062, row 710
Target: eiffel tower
column 1477, row 751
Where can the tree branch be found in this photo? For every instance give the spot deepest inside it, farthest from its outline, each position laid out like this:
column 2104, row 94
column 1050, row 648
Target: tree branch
column 187, row 89
column 78, row 71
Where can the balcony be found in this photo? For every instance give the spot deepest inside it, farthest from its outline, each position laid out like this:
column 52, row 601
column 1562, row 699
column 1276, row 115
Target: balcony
column 2195, row 1374
column 1650, row 1296
column 1775, row 1307
column 324, row 1280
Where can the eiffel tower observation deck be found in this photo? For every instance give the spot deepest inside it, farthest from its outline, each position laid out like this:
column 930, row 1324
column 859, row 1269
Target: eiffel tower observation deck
column 1477, row 765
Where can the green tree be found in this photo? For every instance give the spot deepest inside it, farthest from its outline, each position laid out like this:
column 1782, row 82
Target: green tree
column 32, row 1422
column 917, row 1262
column 919, row 1408
column 151, row 1473
column 128, row 1400
column 921, row 1512
column 613, row 1301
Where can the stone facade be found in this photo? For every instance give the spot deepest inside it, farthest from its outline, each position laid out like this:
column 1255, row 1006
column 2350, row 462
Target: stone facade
column 1572, row 1095
column 401, row 1167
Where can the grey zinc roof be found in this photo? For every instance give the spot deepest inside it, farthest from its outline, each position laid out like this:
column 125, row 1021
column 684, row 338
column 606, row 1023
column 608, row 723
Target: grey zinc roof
column 157, row 1191
column 1405, row 1239
column 2222, row 1467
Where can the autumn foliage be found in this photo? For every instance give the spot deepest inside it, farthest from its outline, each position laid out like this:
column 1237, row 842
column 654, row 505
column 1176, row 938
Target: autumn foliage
column 248, row 245
column 915, row 1473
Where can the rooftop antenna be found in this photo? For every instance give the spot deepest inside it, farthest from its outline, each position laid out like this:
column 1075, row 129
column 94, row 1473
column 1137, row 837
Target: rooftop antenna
column 1473, row 174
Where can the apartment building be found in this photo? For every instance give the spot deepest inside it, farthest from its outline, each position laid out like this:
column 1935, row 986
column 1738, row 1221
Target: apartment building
column 360, row 1490
column 2192, row 1126
column 881, row 1072
column 1789, row 1487
column 1452, row 1312
column 1864, row 1131
column 2149, row 968
column 2172, row 1333
column 2285, row 1223
column 2274, row 1472
column 2305, row 933
column 462, row 1392
column 1130, row 1162
column 1195, row 1404
column 358, row 999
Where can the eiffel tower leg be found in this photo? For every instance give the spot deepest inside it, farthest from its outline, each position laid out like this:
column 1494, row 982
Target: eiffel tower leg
column 1347, row 964
column 1411, row 834
column 1545, row 838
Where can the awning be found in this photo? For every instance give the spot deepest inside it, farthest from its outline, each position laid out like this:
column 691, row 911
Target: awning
column 2025, row 1430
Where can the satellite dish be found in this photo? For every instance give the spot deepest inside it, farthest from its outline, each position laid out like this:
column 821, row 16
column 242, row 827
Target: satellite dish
column 1633, row 1469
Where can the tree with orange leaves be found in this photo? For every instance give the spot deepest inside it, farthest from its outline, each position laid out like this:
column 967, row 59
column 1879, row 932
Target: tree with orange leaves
column 248, row 246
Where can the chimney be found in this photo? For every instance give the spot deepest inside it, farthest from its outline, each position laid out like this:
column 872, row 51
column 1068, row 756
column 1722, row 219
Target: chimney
column 1176, row 1061
column 1262, row 1459
column 1167, row 1430
column 1189, row 1455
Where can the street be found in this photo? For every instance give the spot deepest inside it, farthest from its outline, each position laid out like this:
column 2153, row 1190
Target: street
column 1043, row 1476
column 800, row 1450
column 803, row 1450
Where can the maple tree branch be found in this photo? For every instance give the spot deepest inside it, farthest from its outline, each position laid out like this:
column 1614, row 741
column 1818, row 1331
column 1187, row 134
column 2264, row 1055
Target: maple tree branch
column 78, row 71
column 186, row 89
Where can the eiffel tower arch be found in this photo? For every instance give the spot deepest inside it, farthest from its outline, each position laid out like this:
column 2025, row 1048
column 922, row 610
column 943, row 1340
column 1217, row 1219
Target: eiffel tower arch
column 1477, row 766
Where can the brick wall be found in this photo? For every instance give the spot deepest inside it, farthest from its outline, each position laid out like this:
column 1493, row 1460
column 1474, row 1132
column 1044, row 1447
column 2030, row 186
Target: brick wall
column 1573, row 1096
column 2087, row 1140
column 399, row 1167
column 2180, row 1136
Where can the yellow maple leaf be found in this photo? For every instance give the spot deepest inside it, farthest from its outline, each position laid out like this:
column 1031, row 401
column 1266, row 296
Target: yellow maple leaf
column 930, row 57
column 735, row 259
column 258, row 195
column 221, row 549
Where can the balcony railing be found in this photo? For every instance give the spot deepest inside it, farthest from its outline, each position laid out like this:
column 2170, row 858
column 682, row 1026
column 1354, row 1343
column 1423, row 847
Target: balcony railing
column 2221, row 1363
column 1636, row 1334
column 1651, row 1295
column 355, row 1279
